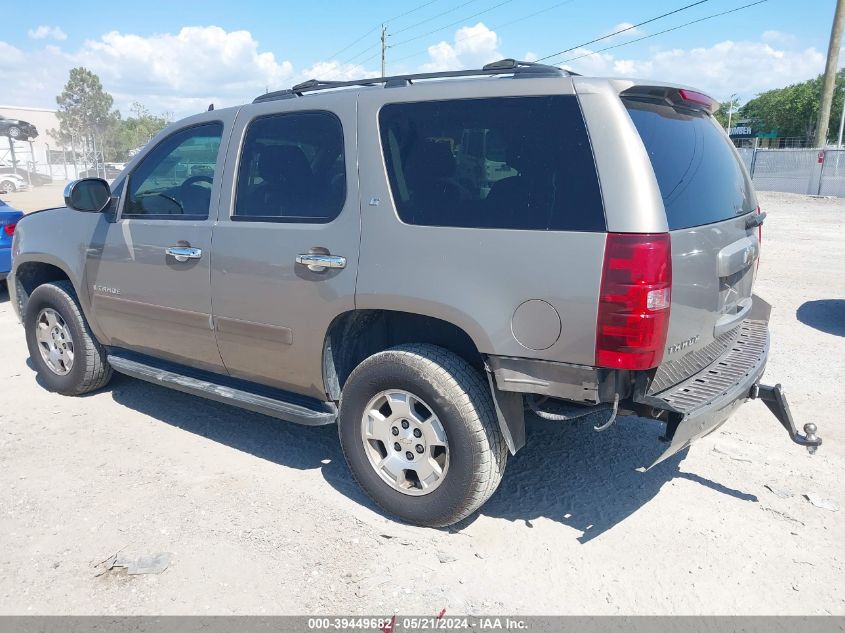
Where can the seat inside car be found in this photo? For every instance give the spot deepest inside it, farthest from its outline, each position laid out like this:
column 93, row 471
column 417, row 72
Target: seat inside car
column 532, row 190
column 430, row 174
column 287, row 184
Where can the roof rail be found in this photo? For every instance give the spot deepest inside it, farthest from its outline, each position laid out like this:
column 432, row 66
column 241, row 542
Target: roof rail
column 501, row 67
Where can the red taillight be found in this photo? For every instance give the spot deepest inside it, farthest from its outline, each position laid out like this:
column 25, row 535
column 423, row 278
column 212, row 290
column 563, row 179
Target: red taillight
column 634, row 301
column 9, row 229
column 697, row 97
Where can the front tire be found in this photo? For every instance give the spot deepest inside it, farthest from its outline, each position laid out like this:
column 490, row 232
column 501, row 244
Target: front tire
column 439, row 412
column 7, row 186
column 66, row 355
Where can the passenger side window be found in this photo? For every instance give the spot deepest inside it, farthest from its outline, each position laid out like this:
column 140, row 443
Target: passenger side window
column 292, row 169
column 174, row 180
column 500, row 163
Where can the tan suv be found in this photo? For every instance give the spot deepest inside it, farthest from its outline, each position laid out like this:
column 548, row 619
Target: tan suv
column 419, row 261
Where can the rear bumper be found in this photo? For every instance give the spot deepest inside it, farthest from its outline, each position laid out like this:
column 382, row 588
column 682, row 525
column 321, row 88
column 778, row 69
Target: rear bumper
column 703, row 402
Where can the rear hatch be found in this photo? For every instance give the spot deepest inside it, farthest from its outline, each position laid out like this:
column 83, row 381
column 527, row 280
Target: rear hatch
column 710, row 209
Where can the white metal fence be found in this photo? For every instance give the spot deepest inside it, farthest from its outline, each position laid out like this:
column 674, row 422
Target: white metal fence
column 807, row 171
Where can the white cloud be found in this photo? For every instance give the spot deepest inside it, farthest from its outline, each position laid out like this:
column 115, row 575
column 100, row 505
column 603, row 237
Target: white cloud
column 176, row 72
column 32, row 78
column 472, row 47
column 205, row 63
column 777, row 37
column 335, row 71
column 744, row 67
column 47, row 32
column 629, row 31
column 9, row 55
column 183, row 72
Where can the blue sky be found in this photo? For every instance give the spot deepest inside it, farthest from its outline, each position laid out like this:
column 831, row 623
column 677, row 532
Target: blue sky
column 177, row 56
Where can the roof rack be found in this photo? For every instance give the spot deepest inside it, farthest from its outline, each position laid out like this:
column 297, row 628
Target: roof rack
column 501, row 67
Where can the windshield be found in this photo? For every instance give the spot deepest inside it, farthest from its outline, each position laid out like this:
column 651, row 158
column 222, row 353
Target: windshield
column 700, row 177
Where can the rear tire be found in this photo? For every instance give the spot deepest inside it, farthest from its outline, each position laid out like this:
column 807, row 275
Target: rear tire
column 70, row 370
column 7, row 186
column 446, row 392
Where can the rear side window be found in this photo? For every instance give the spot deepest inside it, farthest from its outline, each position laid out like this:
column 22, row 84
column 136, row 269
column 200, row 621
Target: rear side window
column 292, row 169
column 701, row 180
column 504, row 163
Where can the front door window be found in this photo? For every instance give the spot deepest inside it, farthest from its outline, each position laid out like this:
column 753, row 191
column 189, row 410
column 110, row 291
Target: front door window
column 174, row 180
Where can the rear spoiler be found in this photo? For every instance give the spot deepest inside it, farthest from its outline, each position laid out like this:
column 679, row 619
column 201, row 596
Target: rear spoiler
column 684, row 97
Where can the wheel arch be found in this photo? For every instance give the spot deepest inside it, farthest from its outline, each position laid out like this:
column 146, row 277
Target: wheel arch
column 29, row 273
column 358, row 334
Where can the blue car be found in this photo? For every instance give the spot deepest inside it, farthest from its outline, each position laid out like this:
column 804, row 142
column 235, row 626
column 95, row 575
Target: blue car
column 8, row 219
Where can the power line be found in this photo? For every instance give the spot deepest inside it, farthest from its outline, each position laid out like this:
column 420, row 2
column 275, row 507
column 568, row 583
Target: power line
column 674, row 28
column 493, row 28
column 349, row 60
column 627, row 28
column 470, row 17
column 348, row 46
column 434, row 17
column 410, row 11
column 370, row 58
column 377, row 26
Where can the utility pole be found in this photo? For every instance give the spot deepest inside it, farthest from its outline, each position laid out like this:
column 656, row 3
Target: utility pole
column 830, row 73
column 384, row 46
column 731, row 111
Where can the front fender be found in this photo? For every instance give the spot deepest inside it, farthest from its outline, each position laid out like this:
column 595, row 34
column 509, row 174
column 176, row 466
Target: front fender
column 60, row 238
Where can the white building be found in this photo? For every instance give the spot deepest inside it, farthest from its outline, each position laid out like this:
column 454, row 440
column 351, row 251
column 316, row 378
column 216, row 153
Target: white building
column 34, row 154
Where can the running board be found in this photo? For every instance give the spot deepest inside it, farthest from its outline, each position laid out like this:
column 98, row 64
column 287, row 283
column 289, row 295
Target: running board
column 274, row 407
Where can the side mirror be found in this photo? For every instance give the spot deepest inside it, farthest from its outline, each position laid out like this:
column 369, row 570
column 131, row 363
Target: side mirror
column 89, row 194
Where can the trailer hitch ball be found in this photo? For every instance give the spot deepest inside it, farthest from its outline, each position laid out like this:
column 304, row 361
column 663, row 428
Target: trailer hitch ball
column 810, row 433
column 775, row 401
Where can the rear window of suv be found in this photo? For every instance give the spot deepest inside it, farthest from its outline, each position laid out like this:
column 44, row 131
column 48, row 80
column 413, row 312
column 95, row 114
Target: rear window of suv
column 700, row 177
column 503, row 163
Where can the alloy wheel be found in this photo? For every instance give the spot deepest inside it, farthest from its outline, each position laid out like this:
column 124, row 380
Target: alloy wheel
column 54, row 341
column 405, row 442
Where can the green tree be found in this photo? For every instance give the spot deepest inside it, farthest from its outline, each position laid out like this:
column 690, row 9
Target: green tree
column 794, row 110
column 136, row 130
column 85, row 111
column 87, row 120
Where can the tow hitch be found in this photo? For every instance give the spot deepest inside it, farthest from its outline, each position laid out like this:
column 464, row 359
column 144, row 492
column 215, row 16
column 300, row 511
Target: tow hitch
column 774, row 399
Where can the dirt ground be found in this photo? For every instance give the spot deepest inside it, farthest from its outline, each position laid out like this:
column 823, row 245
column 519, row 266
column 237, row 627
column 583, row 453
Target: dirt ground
column 261, row 516
column 36, row 198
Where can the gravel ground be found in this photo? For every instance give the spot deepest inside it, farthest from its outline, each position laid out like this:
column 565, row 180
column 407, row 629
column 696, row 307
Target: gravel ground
column 261, row 517
column 43, row 197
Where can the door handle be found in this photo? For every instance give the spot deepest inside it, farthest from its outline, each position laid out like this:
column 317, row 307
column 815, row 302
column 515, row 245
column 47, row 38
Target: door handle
column 183, row 253
column 319, row 263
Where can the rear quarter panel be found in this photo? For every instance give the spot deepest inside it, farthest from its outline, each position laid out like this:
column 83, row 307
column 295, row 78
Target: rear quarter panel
column 473, row 278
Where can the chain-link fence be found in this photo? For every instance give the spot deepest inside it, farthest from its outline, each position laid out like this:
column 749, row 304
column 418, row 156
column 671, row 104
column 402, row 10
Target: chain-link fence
column 832, row 181
column 807, row 171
